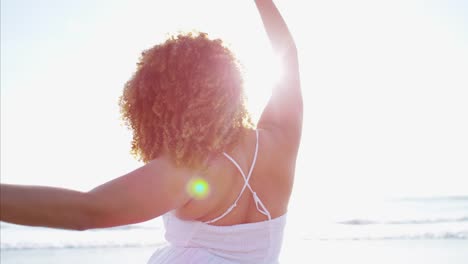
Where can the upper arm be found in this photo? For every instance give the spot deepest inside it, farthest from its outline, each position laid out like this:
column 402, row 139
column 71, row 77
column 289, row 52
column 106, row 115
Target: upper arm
column 140, row 195
column 283, row 114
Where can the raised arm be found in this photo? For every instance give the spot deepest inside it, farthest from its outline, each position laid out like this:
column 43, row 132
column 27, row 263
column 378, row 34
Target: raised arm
column 283, row 113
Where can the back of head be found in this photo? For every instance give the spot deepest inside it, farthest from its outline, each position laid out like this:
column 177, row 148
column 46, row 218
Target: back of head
column 185, row 98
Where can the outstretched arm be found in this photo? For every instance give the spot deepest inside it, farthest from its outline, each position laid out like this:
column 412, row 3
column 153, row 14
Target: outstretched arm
column 141, row 195
column 42, row 206
column 283, row 113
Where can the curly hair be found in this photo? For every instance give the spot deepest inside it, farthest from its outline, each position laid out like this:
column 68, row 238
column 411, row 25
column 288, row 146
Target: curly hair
column 186, row 97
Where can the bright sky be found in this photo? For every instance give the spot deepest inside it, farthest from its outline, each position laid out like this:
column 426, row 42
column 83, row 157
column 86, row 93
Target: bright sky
column 384, row 83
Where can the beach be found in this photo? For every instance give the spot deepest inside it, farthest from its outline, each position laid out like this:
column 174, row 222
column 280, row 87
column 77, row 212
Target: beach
column 382, row 252
column 305, row 251
column 428, row 230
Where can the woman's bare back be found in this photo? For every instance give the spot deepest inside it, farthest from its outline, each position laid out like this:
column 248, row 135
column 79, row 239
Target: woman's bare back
column 271, row 179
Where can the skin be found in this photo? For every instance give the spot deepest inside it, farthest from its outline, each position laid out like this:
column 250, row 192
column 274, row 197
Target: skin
column 159, row 186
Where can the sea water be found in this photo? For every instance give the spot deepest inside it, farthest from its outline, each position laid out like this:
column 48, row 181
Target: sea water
column 397, row 218
column 391, row 226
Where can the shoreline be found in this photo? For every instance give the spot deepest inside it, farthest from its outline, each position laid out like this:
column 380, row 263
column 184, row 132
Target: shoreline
column 293, row 251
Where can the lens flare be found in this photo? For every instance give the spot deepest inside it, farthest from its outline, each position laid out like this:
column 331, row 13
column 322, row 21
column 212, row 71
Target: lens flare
column 198, row 188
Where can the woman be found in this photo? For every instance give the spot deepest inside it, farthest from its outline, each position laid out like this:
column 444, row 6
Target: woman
column 221, row 186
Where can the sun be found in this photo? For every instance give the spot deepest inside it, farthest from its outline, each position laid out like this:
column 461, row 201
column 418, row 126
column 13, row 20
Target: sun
column 263, row 71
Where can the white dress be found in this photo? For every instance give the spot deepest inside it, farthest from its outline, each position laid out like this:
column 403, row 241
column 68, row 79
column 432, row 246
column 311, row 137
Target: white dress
column 199, row 242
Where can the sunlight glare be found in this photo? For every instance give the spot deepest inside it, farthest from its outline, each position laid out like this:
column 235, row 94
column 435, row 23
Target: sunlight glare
column 198, row 188
column 263, row 71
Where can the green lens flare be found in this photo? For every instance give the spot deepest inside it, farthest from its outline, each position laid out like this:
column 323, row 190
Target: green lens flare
column 198, row 188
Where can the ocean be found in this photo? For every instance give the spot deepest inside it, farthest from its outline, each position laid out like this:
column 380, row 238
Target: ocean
column 399, row 230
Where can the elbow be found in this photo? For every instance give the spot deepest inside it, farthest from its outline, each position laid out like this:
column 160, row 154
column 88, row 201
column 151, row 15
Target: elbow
column 87, row 220
column 95, row 213
column 80, row 227
column 90, row 221
column 88, row 214
column 83, row 221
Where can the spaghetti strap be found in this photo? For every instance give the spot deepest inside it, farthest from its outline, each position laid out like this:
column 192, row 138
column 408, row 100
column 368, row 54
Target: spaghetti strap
column 258, row 203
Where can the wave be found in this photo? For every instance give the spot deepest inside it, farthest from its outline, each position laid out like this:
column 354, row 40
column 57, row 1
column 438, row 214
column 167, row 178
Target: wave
column 77, row 245
column 4, row 226
column 404, row 222
column 461, row 235
column 463, row 198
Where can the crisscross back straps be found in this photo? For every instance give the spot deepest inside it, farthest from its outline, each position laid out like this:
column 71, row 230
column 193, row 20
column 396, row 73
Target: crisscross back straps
column 258, row 203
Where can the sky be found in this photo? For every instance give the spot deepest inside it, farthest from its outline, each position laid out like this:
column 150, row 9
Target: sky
column 384, row 84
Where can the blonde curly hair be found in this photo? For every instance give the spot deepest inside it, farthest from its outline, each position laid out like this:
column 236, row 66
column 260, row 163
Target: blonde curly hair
column 186, row 97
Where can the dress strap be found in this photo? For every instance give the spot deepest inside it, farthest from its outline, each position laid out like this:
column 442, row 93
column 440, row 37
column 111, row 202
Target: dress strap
column 260, row 206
